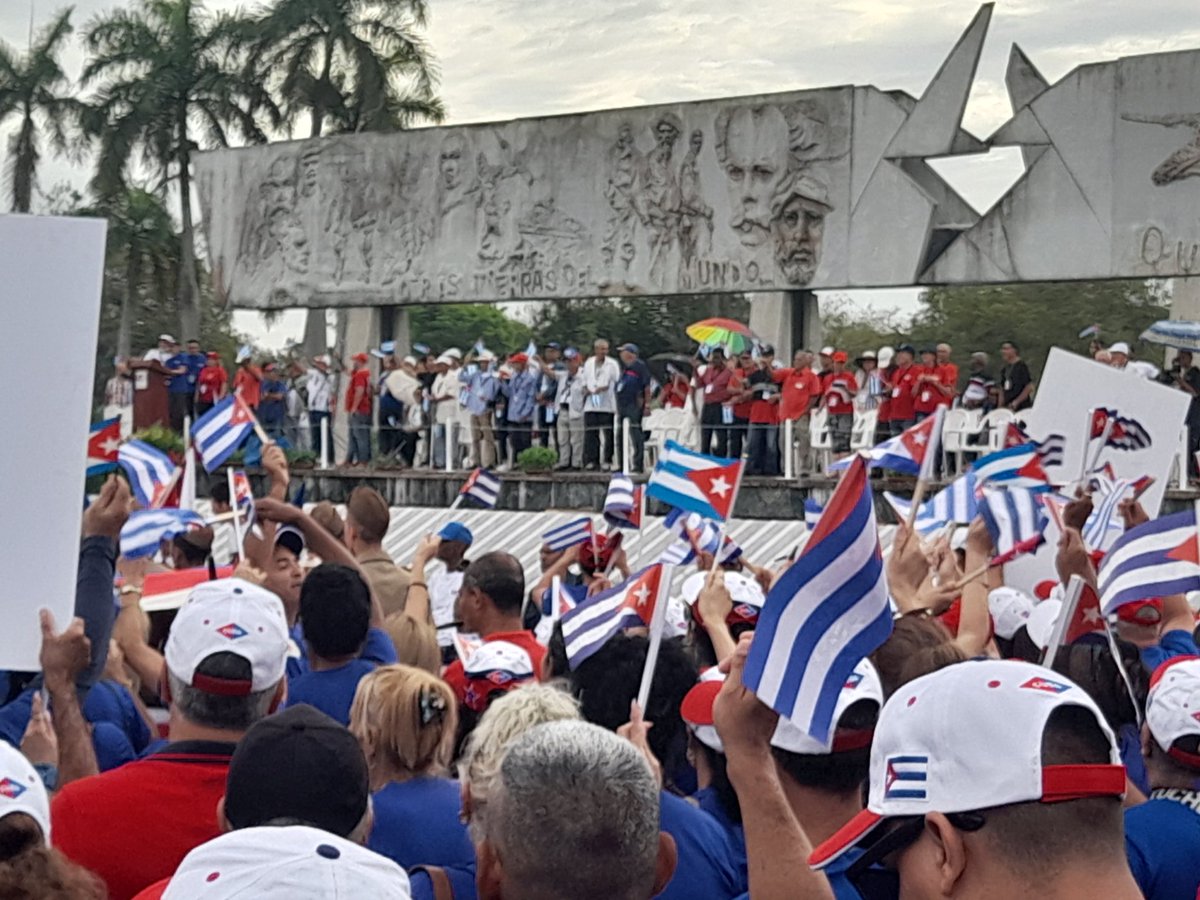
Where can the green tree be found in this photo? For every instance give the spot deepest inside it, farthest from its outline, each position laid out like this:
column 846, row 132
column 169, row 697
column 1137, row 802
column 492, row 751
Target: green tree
column 461, row 325
column 35, row 89
column 168, row 82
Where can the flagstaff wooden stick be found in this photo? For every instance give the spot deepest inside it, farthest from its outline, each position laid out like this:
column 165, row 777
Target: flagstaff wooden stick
column 657, row 621
column 972, row 576
column 238, row 533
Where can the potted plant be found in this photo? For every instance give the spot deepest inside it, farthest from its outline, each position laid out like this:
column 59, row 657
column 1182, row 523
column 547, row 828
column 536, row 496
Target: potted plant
column 537, row 460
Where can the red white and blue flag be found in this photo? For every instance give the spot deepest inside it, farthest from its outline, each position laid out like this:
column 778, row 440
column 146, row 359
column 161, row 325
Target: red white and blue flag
column 483, row 487
column 1015, row 517
column 151, row 473
column 906, row 452
column 827, row 612
column 695, row 482
column 1124, row 433
column 219, row 432
column 1019, row 466
column 242, row 497
column 591, row 624
column 572, row 534
column 1155, row 559
column 104, row 442
column 623, row 503
column 145, row 529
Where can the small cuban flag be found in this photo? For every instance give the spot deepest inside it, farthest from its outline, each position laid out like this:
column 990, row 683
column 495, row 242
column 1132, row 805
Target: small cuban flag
column 104, row 440
column 483, row 487
column 219, row 432
column 696, row 482
column 151, row 473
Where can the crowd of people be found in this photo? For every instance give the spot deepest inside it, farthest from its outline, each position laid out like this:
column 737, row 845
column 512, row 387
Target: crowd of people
column 327, row 721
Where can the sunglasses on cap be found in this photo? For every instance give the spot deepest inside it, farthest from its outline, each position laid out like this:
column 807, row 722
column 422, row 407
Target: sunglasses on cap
column 874, row 874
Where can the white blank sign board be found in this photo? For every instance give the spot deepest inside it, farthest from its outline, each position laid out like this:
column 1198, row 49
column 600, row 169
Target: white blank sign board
column 1072, row 385
column 51, row 272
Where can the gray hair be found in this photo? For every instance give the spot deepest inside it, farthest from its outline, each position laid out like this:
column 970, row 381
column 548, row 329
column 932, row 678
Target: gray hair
column 574, row 813
column 228, row 713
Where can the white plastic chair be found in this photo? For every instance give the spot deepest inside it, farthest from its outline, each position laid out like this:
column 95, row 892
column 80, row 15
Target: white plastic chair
column 959, row 426
column 996, row 424
column 822, row 440
column 862, row 433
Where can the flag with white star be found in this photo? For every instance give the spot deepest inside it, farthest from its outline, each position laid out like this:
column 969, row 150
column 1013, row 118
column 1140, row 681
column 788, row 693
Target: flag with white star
column 591, row 624
column 104, row 442
column 696, row 482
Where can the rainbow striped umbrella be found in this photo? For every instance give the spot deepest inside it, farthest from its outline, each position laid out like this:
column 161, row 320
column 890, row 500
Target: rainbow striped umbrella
column 733, row 336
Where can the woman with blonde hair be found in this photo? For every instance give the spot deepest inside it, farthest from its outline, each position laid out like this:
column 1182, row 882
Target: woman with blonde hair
column 405, row 719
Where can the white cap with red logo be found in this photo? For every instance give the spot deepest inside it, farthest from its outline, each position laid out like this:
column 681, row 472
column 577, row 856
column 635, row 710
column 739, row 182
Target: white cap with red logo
column 229, row 615
column 862, row 684
column 21, row 789
column 1173, row 706
column 969, row 737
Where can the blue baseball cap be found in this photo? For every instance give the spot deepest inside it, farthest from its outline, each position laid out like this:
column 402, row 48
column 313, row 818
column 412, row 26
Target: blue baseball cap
column 456, row 531
column 631, row 348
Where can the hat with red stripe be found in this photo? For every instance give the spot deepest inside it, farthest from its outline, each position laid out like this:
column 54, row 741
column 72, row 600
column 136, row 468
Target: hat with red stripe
column 1173, row 707
column 862, row 684
column 229, row 615
column 494, row 668
column 969, row 737
column 697, row 708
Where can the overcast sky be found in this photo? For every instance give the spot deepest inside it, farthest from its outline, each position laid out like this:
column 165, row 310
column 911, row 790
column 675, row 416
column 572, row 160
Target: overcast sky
column 503, row 59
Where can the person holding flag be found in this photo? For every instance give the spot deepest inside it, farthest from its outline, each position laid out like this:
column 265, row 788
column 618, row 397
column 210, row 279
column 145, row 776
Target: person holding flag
column 838, row 401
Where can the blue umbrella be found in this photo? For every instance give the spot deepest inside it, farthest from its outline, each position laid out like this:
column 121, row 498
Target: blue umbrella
column 1178, row 333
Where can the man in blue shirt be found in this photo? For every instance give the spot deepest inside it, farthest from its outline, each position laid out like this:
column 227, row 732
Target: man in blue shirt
column 272, row 402
column 1162, row 835
column 521, row 391
column 181, row 389
column 335, row 608
column 633, row 396
column 478, row 397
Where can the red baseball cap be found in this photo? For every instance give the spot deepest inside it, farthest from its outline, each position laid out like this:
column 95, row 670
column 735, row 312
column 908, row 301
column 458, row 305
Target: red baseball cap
column 840, row 356
column 360, row 357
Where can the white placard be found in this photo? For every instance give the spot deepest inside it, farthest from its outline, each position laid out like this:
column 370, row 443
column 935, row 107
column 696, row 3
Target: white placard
column 51, row 273
column 1070, row 386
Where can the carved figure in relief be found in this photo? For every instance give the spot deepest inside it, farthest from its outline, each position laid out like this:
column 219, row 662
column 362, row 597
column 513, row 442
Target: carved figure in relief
column 657, row 194
column 798, row 212
column 752, row 150
column 695, row 215
column 619, row 247
column 1184, row 162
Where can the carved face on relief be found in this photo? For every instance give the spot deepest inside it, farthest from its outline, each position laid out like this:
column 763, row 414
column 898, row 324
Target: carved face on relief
column 753, row 152
column 798, row 230
column 450, row 162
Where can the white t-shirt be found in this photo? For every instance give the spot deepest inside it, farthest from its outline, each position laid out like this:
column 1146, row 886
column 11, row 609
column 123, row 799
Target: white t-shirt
column 443, row 590
column 604, row 376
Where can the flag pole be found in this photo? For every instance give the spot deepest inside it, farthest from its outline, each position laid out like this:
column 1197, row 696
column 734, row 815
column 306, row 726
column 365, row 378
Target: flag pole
column 737, row 487
column 928, row 467
column 238, row 535
column 657, row 621
column 1108, row 429
column 1066, row 614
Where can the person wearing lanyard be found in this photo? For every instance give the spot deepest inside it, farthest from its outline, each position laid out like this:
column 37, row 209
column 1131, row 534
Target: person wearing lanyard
column 714, row 382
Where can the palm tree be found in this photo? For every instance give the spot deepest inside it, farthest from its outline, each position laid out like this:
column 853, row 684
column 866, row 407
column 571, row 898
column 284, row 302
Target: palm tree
column 357, row 65
column 34, row 87
column 143, row 246
column 167, row 79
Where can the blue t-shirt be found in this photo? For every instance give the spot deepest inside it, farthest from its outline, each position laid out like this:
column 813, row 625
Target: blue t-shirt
column 417, row 824
column 708, row 865
column 108, row 701
column 635, row 378
column 1170, row 645
column 378, row 648
column 1162, row 840
column 708, row 802
column 330, row 690
column 462, row 884
column 186, row 383
column 836, row 873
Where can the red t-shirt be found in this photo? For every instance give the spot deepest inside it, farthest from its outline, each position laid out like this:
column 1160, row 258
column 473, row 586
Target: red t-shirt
column 360, row 383
column 799, row 387
column 457, row 679
column 210, row 381
column 764, row 411
column 741, row 410
column 927, row 393
column 715, row 383
column 840, row 389
column 903, row 395
column 133, row 826
column 248, row 382
column 675, row 394
column 947, row 374
column 885, row 402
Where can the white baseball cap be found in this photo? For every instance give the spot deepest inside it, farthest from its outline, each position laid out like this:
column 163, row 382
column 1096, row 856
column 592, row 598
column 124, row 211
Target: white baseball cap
column 232, row 616
column 969, row 737
column 746, row 593
column 1119, row 347
column 166, row 337
column 454, row 353
column 826, row 351
column 1040, row 624
column 21, row 789
column 1010, row 610
column 499, row 661
column 697, row 708
column 294, row 862
column 862, row 684
column 1173, row 706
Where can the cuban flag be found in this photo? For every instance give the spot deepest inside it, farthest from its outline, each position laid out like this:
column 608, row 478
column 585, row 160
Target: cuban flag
column 170, row 589
column 827, row 612
column 1123, row 432
column 1019, row 466
column 623, row 503
column 151, row 473
column 242, row 496
column 697, row 535
column 570, row 535
column 591, row 624
column 695, row 482
column 146, row 528
column 1154, row 559
column 219, row 432
column 1014, row 517
column 812, row 513
column 483, row 487
column 956, row 502
column 1103, row 526
column 104, row 442
column 1051, row 450
column 905, row 453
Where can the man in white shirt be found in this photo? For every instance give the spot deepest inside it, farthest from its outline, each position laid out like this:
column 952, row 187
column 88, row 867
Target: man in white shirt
column 321, row 392
column 164, row 351
column 443, row 396
column 569, row 401
column 600, row 376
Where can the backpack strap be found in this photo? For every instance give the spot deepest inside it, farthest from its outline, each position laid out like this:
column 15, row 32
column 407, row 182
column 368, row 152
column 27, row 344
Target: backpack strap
column 439, row 879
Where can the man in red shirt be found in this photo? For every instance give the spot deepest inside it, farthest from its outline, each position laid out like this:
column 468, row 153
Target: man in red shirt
column 248, row 380
column 489, row 604
column 714, row 382
column 358, row 405
column 741, row 402
column 211, row 384
column 929, row 392
column 947, row 373
column 838, row 399
column 903, row 383
column 225, row 670
column 800, row 391
column 764, row 416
